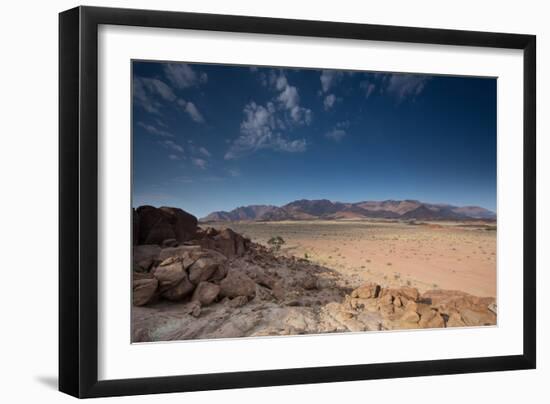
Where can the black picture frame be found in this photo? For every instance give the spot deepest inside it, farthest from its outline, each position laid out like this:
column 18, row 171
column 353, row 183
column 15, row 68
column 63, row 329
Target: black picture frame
column 78, row 201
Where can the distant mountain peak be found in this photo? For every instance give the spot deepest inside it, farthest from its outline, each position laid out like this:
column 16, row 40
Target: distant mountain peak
column 309, row 209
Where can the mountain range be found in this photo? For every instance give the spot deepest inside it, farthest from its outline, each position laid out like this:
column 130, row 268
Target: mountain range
column 306, row 209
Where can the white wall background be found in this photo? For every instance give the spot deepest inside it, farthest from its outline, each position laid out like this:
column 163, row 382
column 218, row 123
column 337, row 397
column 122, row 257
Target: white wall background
column 28, row 224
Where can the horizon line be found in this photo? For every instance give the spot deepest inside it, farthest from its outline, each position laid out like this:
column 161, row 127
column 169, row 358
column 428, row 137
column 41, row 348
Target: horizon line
column 331, row 201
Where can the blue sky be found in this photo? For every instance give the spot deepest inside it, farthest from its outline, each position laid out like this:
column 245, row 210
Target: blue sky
column 215, row 137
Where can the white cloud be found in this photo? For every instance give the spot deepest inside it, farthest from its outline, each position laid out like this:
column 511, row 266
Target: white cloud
column 200, row 163
column 401, row 87
column 343, row 124
column 258, row 131
column 329, row 78
column 148, row 91
column 234, row 172
column 191, row 110
column 204, row 151
column 154, row 130
column 368, row 87
column 262, row 124
column 169, row 144
column 147, row 86
column 289, row 99
column 174, row 157
column 339, row 131
column 185, row 180
column 183, row 76
column 160, row 123
column 329, row 101
column 336, row 134
column 404, row 86
column 281, row 82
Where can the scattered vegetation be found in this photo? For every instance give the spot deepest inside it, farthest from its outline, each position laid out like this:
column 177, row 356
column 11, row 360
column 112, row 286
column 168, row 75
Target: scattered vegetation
column 276, row 242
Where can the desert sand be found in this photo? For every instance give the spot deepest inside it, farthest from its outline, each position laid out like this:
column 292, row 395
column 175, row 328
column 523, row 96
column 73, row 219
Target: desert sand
column 434, row 255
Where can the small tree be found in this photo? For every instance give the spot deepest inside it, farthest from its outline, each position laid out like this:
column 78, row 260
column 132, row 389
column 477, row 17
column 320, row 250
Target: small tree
column 276, row 242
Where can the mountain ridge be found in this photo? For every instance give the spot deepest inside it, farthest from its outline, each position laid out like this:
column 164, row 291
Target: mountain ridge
column 310, row 209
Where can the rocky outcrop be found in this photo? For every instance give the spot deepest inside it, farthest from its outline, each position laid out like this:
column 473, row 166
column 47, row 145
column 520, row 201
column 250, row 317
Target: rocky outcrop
column 156, row 225
column 226, row 241
column 172, row 227
column 406, row 308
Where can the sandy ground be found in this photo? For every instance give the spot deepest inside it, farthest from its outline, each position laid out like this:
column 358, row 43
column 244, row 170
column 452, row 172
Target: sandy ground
column 427, row 256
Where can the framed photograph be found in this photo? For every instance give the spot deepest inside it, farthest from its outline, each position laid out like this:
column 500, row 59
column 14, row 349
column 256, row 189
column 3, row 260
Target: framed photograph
column 251, row 201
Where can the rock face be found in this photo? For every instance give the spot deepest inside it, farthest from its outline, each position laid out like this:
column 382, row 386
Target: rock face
column 155, row 225
column 226, row 241
column 171, row 227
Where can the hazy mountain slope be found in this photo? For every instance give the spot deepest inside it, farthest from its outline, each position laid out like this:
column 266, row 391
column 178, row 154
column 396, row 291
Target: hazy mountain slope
column 305, row 209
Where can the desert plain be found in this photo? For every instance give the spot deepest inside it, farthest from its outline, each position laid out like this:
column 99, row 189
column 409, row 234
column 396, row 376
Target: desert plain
column 425, row 255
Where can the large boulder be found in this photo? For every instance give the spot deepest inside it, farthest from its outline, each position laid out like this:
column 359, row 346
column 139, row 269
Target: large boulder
column 462, row 308
column 155, row 225
column 188, row 252
column 367, row 291
column 206, row 293
column 203, row 269
column 207, row 265
column 169, row 275
column 404, row 294
column 144, row 256
column 143, row 290
column 236, row 283
column 173, row 281
column 226, row 241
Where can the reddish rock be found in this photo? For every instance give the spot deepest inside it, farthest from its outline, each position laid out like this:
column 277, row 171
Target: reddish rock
column 405, row 293
column 410, row 317
column 455, row 320
column 367, row 291
column 478, row 317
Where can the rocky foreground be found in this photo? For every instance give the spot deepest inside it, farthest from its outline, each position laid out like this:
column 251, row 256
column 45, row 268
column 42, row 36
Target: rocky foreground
column 191, row 283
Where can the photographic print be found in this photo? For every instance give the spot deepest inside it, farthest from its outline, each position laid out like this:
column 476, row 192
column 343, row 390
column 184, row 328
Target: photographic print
column 275, row 201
